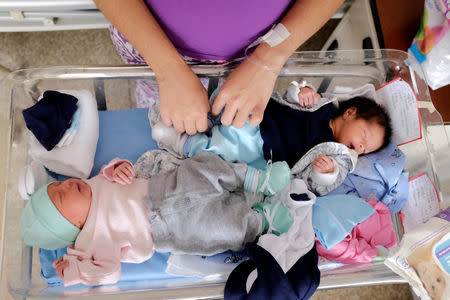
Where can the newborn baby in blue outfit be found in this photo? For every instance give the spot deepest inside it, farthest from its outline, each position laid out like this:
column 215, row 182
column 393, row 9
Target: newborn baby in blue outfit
column 286, row 133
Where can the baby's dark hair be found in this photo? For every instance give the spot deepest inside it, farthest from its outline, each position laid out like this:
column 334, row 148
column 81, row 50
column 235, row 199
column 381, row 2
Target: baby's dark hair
column 368, row 110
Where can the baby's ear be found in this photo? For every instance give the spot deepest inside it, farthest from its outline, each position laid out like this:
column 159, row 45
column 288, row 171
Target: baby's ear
column 350, row 112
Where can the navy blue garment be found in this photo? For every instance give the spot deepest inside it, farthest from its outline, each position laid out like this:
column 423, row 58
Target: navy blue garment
column 49, row 118
column 290, row 133
column 300, row 282
column 299, row 197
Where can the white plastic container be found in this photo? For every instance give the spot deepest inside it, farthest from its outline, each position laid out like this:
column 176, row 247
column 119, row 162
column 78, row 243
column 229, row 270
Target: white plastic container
column 20, row 264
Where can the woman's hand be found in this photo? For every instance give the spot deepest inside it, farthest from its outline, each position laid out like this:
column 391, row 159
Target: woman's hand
column 184, row 103
column 245, row 93
column 124, row 173
column 60, row 264
column 249, row 87
column 183, row 100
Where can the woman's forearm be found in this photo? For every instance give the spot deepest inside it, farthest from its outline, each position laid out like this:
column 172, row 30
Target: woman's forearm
column 303, row 19
column 135, row 22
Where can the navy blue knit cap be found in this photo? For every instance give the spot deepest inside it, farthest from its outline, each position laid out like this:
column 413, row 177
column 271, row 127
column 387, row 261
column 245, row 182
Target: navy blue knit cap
column 49, row 118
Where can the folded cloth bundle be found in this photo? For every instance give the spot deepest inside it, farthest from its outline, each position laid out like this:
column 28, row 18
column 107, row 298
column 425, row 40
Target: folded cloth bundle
column 335, row 216
column 49, row 118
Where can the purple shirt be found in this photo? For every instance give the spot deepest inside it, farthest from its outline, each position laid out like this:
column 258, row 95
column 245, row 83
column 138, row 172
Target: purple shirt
column 216, row 29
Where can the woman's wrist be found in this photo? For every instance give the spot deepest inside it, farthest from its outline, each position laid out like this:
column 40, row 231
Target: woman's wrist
column 175, row 70
column 270, row 58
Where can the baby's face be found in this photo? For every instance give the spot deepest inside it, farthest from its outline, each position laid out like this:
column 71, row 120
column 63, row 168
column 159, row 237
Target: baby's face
column 360, row 135
column 72, row 198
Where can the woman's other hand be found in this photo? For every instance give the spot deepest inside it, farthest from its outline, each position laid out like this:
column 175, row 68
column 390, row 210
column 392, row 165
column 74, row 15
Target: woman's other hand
column 245, row 94
column 184, row 103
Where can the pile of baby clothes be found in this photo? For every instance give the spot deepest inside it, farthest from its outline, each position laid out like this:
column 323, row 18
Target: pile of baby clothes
column 54, row 119
column 350, row 229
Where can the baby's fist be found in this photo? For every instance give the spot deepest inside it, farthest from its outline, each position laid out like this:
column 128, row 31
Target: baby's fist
column 124, row 173
column 323, row 164
column 60, row 264
column 307, row 97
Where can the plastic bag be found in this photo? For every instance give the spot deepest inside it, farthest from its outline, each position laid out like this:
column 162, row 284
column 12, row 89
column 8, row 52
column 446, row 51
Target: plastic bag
column 423, row 257
column 431, row 45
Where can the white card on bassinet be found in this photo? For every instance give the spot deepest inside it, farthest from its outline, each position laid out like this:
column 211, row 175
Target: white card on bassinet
column 423, row 202
column 400, row 101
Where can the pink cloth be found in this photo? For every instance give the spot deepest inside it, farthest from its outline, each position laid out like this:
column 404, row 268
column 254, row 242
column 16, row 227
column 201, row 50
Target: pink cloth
column 359, row 245
column 117, row 230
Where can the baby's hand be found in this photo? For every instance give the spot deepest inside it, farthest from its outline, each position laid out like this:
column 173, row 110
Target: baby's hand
column 307, row 97
column 124, row 173
column 323, row 164
column 60, row 264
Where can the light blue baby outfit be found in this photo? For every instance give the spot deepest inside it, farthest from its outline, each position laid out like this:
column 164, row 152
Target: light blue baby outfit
column 252, row 145
column 335, row 216
column 245, row 144
column 231, row 144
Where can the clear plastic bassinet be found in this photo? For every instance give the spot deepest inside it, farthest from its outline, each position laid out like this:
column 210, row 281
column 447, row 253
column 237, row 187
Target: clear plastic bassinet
column 115, row 87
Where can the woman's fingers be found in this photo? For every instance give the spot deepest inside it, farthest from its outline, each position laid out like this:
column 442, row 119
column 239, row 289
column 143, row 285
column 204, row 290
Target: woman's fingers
column 201, row 125
column 257, row 115
column 190, row 127
column 219, row 103
column 242, row 115
column 230, row 111
column 178, row 124
column 166, row 119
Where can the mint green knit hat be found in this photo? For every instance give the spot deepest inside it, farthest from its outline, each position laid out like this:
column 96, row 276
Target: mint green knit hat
column 43, row 225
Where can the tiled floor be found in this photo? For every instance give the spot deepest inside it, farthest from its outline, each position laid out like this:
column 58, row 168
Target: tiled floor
column 24, row 50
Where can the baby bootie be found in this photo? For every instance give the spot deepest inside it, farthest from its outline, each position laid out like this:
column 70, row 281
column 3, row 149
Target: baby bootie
column 31, row 178
column 276, row 218
column 169, row 139
column 269, row 181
